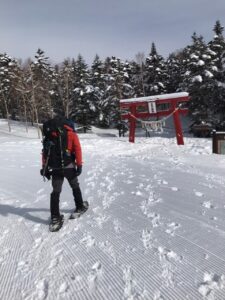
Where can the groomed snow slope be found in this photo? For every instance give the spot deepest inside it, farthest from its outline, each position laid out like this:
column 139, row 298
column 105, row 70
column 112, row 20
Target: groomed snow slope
column 155, row 228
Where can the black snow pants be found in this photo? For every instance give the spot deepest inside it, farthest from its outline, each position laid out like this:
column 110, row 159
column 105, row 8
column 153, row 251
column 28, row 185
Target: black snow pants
column 57, row 182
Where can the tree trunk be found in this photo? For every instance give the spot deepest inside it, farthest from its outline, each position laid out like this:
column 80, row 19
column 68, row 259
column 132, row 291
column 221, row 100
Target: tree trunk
column 25, row 112
column 6, row 109
column 35, row 106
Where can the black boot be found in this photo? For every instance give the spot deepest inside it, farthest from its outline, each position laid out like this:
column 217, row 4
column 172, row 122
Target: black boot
column 80, row 211
column 56, row 223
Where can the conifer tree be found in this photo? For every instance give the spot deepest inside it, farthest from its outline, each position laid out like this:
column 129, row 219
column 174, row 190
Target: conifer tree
column 199, row 79
column 155, row 77
column 8, row 78
column 41, row 82
column 98, row 83
column 217, row 47
column 118, row 86
column 83, row 106
column 174, row 66
column 217, row 51
column 137, row 75
column 62, row 89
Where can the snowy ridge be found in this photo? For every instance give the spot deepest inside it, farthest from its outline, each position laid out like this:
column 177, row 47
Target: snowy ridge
column 155, row 228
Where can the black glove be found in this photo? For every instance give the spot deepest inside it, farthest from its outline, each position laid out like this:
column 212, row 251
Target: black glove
column 47, row 173
column 78, row 170
column 42, row 172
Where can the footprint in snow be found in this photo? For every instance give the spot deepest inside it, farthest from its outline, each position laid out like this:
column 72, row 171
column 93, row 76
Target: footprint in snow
column 107, row 201
column 138, row 193
column 63, row 289
column 153, row 199
column 172, row 227
column 91, row 184
column 167, row 254
column 107, row 248
column 155, row 220
column 147, row 204
column 174, row 188
column 147, row 239
column 207, row 204
column 117, row 226
column 101, row 219
column 130, row 285
column 198, row 194
column 97, row 209
column 167, row 257
column 58, row 255
column 206, row 256
column 42, row 289
column 158, row 296
column 211, row 283
column 78, row 282
column 22, row 266
column 55, row 261
column 94, row 276
column 88, row 241
column 154, row 217
column 37, row 242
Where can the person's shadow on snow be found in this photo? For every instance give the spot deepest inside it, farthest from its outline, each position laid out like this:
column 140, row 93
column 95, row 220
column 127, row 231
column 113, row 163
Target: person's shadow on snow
column 24, row 212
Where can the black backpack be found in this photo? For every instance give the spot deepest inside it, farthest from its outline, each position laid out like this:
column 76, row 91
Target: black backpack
column 55, row 140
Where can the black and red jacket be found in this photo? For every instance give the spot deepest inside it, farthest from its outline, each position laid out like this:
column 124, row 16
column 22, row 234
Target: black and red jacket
column 73, row 146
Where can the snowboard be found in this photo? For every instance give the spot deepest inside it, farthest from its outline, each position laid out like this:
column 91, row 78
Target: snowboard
column 57, row 226
column 76, row 215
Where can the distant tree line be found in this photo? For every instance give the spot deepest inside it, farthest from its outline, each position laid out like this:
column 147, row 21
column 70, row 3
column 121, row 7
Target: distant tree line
column 36, row 90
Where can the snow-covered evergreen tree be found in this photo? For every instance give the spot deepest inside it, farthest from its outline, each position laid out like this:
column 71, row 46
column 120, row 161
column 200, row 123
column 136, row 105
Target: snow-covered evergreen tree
column 41, row 84
column 137, row 75
column 84, row 110
column 174, row 65
column 8, row 79
column 217, row 48
column 155, row 77
column 98, row 83
column 199, row 79
column 62, row 89
column 118, row 86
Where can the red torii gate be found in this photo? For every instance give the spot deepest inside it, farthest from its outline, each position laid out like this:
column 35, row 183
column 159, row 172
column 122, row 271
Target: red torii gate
column 155, row 106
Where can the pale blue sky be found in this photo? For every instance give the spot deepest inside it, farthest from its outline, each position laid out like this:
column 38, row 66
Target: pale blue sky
column 65, row 28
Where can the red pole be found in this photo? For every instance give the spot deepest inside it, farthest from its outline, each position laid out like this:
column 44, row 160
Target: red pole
column 132, row 126
column 177, row 124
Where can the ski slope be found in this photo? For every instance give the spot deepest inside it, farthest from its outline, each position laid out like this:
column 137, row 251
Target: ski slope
column 155, row 228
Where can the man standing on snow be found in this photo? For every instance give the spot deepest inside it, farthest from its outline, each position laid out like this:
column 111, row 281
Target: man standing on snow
column 62, row 158
column 121, row 128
